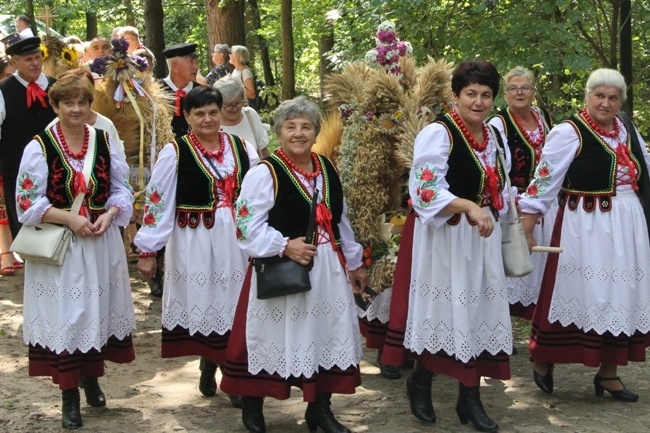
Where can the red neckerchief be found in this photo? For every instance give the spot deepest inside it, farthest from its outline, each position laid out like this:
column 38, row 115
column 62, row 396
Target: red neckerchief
column 34, row 93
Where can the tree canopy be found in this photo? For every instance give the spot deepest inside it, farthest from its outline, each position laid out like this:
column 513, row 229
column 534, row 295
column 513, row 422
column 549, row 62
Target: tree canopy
column 560, row 40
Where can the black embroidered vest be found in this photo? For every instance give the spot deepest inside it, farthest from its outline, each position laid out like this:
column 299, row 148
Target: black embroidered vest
column 179, row 124
column 60, row 178
column 593, row 170
column 521, row 152
column 196, row 188
column 291, row 211
column 20, row 125
column 466, row 176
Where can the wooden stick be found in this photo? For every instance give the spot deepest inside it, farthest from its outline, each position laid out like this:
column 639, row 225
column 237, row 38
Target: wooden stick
column 542, row 249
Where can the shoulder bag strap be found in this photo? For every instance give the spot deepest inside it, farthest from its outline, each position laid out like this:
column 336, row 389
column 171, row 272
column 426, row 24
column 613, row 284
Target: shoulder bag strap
column 250, row 123
column 502, row 157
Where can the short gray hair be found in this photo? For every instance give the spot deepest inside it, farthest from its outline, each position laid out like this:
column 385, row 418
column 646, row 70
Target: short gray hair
column 295, row 108
column 606, row 77
column 241, row 52
column 518, row 71
column 230, row 88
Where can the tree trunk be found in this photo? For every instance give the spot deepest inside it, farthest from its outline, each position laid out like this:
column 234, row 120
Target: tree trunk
column 129, row 13
column 324, row 47
column 626, row 50
column 154, row 35
column 29, row 11
column 288, row 72
column 91, row 25
column 226, row 23
column 264, row 50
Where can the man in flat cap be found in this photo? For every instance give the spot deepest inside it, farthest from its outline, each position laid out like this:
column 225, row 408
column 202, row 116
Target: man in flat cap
column 183, row 67
column 24, row 112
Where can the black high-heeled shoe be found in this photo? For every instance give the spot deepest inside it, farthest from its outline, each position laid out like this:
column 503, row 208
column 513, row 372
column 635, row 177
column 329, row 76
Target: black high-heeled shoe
column 94, row 395
column 207, row 381
column 388, row 371
column 252, row 414
column 544, row 382
column 70, row 411
column 621, row 394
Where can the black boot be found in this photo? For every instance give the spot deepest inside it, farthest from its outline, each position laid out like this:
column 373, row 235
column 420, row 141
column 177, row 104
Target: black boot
column 156, row 283
column 70, row 411
column 235, row 400
column 388, row 371
column 319, row 414
column 470, row 408
column 207, row 382
column 418, row 388
column 252, row 414
column 94, row 395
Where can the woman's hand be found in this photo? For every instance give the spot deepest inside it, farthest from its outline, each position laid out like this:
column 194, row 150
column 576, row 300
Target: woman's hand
column 300, row 251
column 359, row 279
column 147, row 267
column 483, row 220
column 102, row 224
column 80, row 226
column 528, row 224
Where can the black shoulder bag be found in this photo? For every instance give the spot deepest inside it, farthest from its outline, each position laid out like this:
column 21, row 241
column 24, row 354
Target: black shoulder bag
column 281, row 276
column 644, row 181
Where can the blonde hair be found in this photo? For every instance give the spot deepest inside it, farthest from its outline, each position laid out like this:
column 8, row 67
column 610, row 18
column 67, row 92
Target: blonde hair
column 518, row 71
column 241, row 52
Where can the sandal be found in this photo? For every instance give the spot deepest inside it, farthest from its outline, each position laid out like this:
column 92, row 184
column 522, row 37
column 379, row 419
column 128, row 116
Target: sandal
column 7, row 270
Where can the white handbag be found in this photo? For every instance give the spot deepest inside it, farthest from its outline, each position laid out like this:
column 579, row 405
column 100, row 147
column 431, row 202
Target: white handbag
column 514, row 248
column 48, row 242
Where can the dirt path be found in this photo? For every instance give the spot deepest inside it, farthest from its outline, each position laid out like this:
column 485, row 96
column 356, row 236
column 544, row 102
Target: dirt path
column 157, row 395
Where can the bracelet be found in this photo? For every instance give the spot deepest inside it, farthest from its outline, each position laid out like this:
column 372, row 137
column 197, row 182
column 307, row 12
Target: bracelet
column 146, row 255
column 112, row 216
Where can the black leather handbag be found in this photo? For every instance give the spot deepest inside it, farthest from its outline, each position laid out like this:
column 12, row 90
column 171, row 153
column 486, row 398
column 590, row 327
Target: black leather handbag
column 281, row 276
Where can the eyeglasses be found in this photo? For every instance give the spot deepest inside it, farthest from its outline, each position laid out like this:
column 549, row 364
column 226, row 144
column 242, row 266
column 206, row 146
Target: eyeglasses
column 523, row 89
column 235, row 106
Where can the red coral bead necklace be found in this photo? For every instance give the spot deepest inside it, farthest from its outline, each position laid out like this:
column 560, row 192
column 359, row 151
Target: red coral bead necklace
column 295, row 167
column 527, row 136
column 468, row 136
column 218, row 154
column 611, row 134
column 64, row 144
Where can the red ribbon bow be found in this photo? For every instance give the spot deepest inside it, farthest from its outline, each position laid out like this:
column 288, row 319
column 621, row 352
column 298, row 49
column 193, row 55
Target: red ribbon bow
column 180, row 94
column 324, row 220
column 493, row 187
column 80, row 188
column 34, row 92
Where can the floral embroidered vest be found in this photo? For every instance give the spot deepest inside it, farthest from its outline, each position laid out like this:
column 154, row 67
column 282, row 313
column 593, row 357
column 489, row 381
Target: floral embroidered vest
column 196, row 188
column 593, row 170
column 466, row 176
column 291, row 211
column 60, row 178
column 522, row 153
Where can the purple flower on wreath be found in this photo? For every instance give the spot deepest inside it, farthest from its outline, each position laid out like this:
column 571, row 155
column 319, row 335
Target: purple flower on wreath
column 120, row 46
column 346, row 111
column 141, row 63
column 386, row 36
column 370, row 115
column 98, row 66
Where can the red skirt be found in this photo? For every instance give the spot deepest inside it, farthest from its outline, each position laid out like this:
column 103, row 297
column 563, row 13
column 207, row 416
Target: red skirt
column 496, row 366
column 519, row 310
column 238, row 380
column 557, row 344
column 66, row 368
column 374, row 331
column 179, row 342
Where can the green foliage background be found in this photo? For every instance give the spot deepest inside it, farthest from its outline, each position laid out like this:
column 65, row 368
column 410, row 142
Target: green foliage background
column 549, row 37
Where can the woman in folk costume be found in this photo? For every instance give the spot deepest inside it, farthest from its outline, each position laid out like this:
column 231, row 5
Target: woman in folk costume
column 525, row 128
column 189, row 207
column 594, row 302
column 80, row 314
column 311, row 339
column 455, row 320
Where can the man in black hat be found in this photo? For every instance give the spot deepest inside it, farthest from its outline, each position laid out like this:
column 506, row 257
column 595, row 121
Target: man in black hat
column 24, row 112
column 183, row 67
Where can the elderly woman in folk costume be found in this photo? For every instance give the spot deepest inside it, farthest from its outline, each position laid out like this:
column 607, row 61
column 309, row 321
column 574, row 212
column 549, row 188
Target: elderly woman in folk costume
column 455, row 319
column 189, row 207
column 525, row 128
column 86, row 314
column 594, row 303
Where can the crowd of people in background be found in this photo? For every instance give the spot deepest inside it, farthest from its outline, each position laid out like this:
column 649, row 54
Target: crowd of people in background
column 218, row 199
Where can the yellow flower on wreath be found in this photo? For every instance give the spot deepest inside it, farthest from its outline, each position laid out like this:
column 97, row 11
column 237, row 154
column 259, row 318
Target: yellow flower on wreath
column 44, row 51
column 70, row 56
